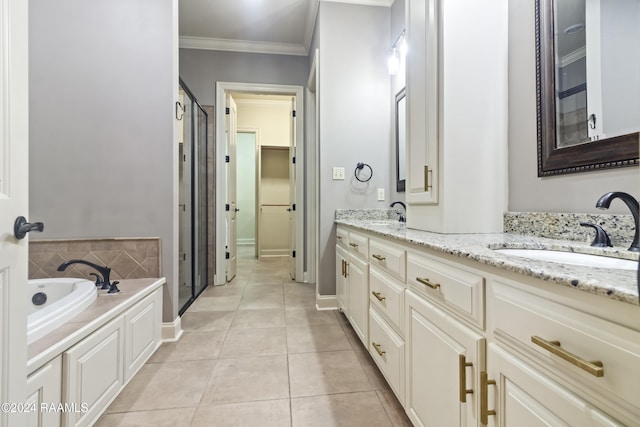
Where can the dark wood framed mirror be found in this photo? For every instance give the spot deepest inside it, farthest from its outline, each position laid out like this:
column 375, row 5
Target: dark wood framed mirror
column 588, row 93
column 401, row 140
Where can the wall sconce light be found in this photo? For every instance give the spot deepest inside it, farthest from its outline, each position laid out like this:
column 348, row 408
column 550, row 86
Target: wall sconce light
column 397, row 54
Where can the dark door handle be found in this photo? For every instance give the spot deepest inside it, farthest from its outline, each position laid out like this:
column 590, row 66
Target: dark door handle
column 21, row 227
column 237, row 210
column 288, row 209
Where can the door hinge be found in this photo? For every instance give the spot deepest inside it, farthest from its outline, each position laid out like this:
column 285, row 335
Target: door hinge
column 227, row 159
column 227, row 207
column 227, row 111
column 294, row 113
column 294, row 254
column 184, row 157
column 227, row 255
column 294, row 206
column 293, row 159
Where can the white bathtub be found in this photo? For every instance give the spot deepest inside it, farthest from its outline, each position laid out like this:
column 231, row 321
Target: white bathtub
column 65, row 299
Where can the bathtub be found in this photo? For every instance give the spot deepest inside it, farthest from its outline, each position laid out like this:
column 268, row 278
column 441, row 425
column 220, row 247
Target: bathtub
column 53, row 302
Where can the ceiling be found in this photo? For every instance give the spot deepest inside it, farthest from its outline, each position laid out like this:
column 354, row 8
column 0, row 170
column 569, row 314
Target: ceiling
column 265, row 26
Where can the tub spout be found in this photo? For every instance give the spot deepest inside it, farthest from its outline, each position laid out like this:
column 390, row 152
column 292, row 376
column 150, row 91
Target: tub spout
column 105, row 272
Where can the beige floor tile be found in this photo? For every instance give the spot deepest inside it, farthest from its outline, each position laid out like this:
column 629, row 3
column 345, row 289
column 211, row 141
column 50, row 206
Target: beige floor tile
column 300, row 316
column 267, row 413
column 254, row 342
column 223, row 303
column 312, row 374
column 304, row 301
column 300, row 289
column 248, row 379
column 315, row 338
column 394, row 409
column 164, row 385
column 191, row 346
column 200, row 321
column 180, row 417
column 262, row 290
column 225, row 290
column 253, row 302
column 266, row 318
column 339, row 410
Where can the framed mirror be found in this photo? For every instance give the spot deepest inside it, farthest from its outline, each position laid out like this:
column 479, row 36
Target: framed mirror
column 401, row 140
column 588, row 84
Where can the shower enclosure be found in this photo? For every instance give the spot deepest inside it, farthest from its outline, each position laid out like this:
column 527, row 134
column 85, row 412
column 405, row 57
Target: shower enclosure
column 192, row 195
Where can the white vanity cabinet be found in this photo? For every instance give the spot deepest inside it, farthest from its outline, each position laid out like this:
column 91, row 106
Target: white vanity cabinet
column 352, row 280
column 463, row 343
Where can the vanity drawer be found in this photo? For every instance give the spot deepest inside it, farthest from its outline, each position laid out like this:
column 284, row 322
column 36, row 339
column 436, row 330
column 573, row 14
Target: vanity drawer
column 387, row 297
column 389, row 258
column 342, row 236
column 387, row 350
column 460, row 290
column 359, row 244
column 561, row 337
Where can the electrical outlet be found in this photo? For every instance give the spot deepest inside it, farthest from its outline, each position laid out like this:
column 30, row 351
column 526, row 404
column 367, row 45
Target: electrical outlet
column 338, row 173
column 380, row 194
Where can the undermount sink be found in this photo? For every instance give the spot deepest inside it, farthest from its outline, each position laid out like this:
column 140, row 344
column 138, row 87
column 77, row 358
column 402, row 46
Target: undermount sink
column 572, row 258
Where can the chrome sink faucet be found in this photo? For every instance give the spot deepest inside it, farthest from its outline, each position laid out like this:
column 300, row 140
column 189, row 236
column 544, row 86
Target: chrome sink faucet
column 401, row 217
column 104, row 271
column 605, row 201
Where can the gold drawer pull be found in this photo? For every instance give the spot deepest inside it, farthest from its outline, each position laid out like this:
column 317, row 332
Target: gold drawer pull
column 377, row 347
column 427, row 282
column 427, row 171
column 484, row 398
column 378, row 257
column 595, row 367
column 346, row 269
column 378, row 295
column 463, row 365
column 343, row 269
column 353, row 245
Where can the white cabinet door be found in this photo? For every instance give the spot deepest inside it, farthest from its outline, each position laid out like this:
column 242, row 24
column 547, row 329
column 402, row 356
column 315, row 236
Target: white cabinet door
column 44, row 390
column 443, row 361
column 358, row 291
column 142, row 331
column 94, row 371
column 422, row 101
column 341, row 279
column 524, row 397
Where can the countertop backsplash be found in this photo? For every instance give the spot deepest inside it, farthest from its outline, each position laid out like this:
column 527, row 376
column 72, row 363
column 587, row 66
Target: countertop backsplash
column 566, row 226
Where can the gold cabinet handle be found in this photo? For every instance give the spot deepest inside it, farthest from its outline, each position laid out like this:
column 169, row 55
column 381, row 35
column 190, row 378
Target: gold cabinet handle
column 484, row 398
column 427, row 171
column 378, row 257
column 378, row 347
column 343, row 268
column 346, row 269
column 353, row 245
column 378, row 295
column 463, row 365
column 595, row 367
column 425, row 281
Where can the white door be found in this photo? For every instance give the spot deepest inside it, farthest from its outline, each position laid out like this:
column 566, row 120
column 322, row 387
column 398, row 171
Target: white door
column 594, row 70
column 292, row 192
column 231, row 134
column 14, row 176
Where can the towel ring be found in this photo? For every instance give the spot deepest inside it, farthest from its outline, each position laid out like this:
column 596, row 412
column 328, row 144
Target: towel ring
column 359, row 167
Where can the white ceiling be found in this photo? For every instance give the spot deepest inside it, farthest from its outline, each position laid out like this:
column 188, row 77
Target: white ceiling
column 265, row 26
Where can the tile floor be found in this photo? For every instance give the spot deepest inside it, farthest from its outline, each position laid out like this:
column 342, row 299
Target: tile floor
column 256, row 352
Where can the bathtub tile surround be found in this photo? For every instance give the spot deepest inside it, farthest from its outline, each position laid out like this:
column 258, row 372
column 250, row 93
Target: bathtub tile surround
column 128, row 258
column 566, row 226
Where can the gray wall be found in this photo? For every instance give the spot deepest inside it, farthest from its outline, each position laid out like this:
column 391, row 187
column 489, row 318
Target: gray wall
column 398, row 82
column 564, row 193
column 354, row 116
column 101, row 99
column 201, row 69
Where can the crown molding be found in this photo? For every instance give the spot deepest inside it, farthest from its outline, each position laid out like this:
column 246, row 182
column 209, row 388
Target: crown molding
column 205, row 43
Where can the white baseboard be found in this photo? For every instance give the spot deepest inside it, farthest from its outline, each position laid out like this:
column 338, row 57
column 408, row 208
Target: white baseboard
column 326, row 302
column 172, row 331
column 246, row 241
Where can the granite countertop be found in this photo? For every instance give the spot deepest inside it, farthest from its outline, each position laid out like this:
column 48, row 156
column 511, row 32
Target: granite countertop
column 616, row 284
column 103, row 309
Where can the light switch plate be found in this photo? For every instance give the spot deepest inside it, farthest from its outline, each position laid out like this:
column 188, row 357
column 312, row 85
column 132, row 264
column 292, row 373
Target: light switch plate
column 380, row 194
column 338, row 173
